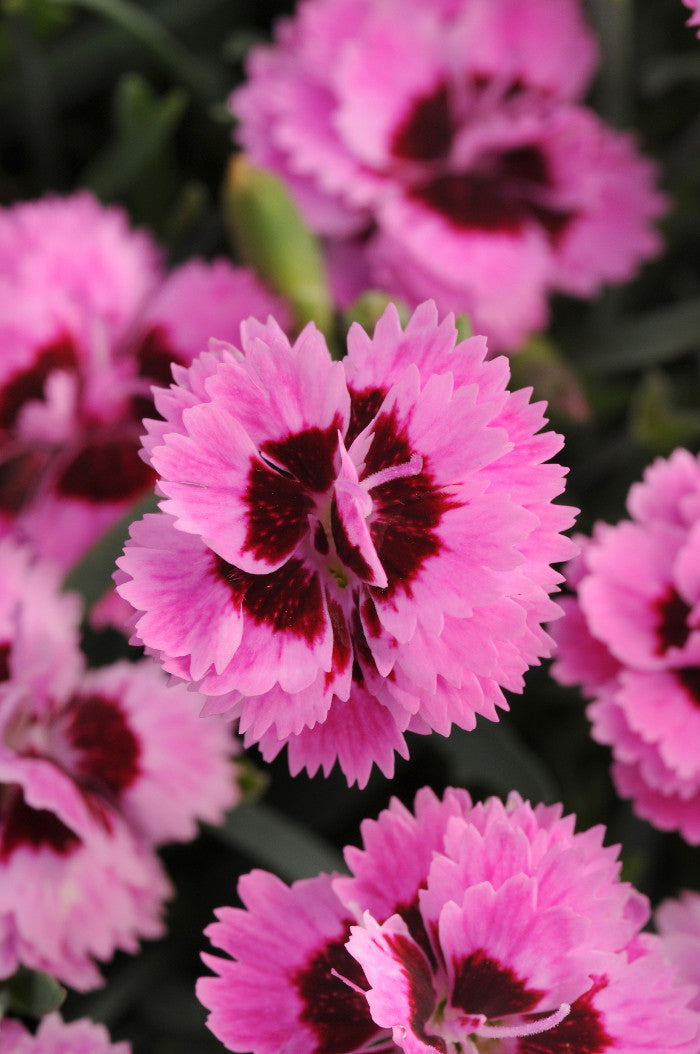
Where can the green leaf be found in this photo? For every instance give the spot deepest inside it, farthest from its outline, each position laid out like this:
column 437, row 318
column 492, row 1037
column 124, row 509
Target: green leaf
column 647, row 340
column 92, row 575
column 670, row 71
column 614, row 25
column 465, row 329
column 127, row 985
column 138, row 23
column 277, row 842
column 90, row 55
column 35, row 99
column 368, row 309
column 42, row 15
column 656, row 422
column 494, row 757
column 252, row 782
column 144, row 124
column 30, row 993
column 541, row 365
column 271, row 236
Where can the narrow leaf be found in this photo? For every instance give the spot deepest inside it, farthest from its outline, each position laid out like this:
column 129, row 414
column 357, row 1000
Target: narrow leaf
column 145, row 123
column 494, row 757
column 31, row 993
column 138, row 23
column 277, row 842
column 271, row 236
column 647, row 340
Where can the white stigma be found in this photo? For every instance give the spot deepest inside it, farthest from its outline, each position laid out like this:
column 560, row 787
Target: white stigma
column 412, row 467
column 524, row 1028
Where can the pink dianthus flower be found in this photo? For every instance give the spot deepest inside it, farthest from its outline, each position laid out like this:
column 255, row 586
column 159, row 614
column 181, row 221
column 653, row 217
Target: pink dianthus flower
column 89, row 319
column 96, row 768
column 347, row 550
column 442, row 152
column 461, row 927
column 694, row 19
column 631, row 638
column 678, row 923
column 54, row 1036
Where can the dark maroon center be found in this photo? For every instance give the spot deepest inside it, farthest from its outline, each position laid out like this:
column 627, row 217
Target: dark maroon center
column 689, row 680
column 363, row 657
column 581, row 1031
column 155, row 357
column 421, row 993
column 342, row 644
column 278, row 510
column 28, row 385
column 348, row 553
column 483, row 986
column 407, row 510
column 337, row 1015
column 279, row 494
column 107, row 749
column 20, row 475
column 364, row 407
column 106, row 471
column 411, row 915
column 672, row 628
column 287, row 600
column 308, row 456
column 5, row 649
column 425, row 134
column 21, row 825
column 504, row 192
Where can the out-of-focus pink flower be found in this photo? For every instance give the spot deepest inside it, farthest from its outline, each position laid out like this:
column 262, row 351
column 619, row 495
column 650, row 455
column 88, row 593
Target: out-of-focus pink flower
column 348, row 550
column 460, row 925
column 441, row 151
column 631, row 637
column 87, row 324
column 54, row 1036
column 678, row 923
column 694, row 19
column 95, row 770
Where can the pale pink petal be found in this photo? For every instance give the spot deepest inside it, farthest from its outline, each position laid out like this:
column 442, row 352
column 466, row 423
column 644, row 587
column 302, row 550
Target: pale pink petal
column 678, row 924
column 279, row 994
column 201, row 300
column 357, row 733
column 53, row 1036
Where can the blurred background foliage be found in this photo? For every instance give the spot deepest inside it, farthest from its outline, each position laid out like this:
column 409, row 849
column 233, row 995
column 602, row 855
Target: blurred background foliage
column 128, row 98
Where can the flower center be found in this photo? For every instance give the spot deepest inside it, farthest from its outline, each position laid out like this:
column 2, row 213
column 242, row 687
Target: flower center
column 503, row 189
column 479, row 1034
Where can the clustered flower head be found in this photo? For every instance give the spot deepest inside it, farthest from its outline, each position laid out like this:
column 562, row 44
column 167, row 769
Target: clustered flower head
column 631, row 638
column 442, row 151
column 53, row 1036
column 461, row 928
column 348, row 550
column 87, row 324
column 96, row 769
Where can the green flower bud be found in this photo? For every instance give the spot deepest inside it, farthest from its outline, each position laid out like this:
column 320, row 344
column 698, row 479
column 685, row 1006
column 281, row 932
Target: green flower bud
column 270, row 235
